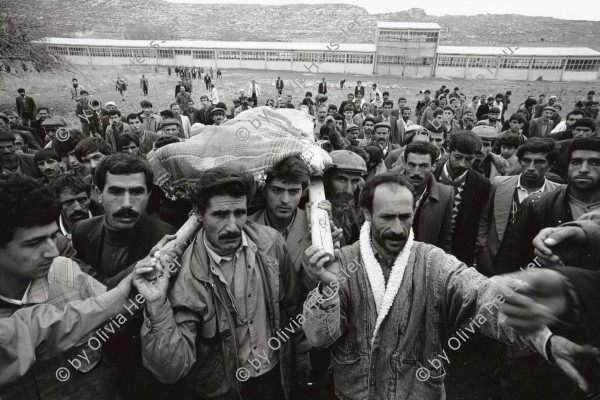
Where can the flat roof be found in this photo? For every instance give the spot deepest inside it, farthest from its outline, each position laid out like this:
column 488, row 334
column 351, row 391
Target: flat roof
column 408, row 25
column 519, row 51
column 200, row 45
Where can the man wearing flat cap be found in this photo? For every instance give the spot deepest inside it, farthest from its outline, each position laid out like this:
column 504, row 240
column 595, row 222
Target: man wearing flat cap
column 381, row 138
column 541, row 127
column 171, row 126
column 487, row 163
column 342, row 181
column 218, row 114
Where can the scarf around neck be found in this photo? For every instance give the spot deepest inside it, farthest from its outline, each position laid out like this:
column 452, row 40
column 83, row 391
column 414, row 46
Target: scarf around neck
column 384, row 295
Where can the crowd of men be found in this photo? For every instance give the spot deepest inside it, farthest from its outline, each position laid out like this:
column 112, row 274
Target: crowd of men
column 431, row 208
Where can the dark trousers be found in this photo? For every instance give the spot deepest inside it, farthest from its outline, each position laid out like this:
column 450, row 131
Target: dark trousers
column 265, row 387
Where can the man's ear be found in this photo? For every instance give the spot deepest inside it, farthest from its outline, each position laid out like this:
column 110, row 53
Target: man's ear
column 197, row 213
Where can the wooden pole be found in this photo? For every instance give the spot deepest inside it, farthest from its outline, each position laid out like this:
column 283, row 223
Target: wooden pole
column 319, row 218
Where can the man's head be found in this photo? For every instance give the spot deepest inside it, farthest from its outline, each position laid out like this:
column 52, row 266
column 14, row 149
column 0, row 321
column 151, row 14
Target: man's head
column 590, row 95
column 387, row 200
column 135, row 123
column 548, row 113
column 488, row 136
column 381, row 135
column 369, row 125
column 175, row 109
column 494, row 114
column 66, row 151
column 221, row 199
column 171, row 126
column 530, row 103
column 285, row 181
column 43, row 113
column 516, row 123
column 434, row 104
column 48, row 163
column 339, row 121
column 74, row 195
column 419, row 159
column 508, row 145
column 350, row 97
column 111, row 105
column 123, row 183
column 13, row 118
column 205, row 101
column 21, row 92
column 387, row 108
column 28, row 211
column 463, row 146
column 190, row 105
column 90, row 151
column 348, row 111
column 74, row 80
column 536, row 156
column 20, row 145
column 321, row 112
column 218, row 115
column 541, row 98
column 352, row 132
column 584, row 128
column 448, row 113
column 114, row 118
column 146, row 107
column 406, row 113
column 345, row 174
column 8, row 150
column 436, row 138
column 573, row 116
column 182, row 89
column 584, row 165
column 128, row 143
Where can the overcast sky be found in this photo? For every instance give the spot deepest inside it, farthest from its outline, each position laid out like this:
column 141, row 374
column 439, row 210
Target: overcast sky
column 571, row 9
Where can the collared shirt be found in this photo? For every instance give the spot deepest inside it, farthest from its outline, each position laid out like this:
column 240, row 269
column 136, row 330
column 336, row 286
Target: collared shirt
column 17, row 302
column 244, row 284
column 523, row 193
column 61, row 225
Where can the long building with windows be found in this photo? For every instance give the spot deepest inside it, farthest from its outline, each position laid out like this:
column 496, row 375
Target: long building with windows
column 401, row 49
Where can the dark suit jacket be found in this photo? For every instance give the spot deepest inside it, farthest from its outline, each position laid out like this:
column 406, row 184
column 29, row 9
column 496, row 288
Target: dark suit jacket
column 360, row 89
column 88, row 240
column 279, row 84
column 26, row 106
column 534, row 128
column 482, row 110
column 396, row 136
column 204, row 116
column 464, row 236
column 322, row 88
column 435, row 217
column 393, row 155
column 27, row 165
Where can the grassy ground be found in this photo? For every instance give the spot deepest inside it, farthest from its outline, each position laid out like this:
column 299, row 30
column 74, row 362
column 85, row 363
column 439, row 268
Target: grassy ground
column 466, row 379
column 52, row 90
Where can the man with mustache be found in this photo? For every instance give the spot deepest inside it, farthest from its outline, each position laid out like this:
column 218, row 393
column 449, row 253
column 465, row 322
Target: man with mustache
column 111, row 245
column 74, row 195
column 13, row 162
column 48, row 164
column 388, row 303
column 471, row 190
column 433, row 206
column 214, row 329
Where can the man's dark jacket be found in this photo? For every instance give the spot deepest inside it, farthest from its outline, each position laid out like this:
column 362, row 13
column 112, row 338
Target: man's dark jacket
column 475, row 194
column 204, row 116
column 538, row 211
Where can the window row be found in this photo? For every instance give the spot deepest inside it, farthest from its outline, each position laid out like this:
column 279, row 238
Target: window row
column 401, row 60
column 519, row 63
column 582, row 65
column 452, row 61
column 408, row 36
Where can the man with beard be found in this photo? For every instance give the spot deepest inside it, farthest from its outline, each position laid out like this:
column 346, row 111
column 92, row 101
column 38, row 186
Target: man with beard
column 507, row 194
column 341, row 182
column 26, row 107
column 116, row 128
column 387, row 304
column 13, row 162
column 112, row 244
column 218, row 114
column 74, row 195
column 470, row 191
column 75, row 90
column 551, row 209
column 48, row 164
column 433, row 207
column 321, row 120
column 203, row 115
column 150, row 121
column 146, row 138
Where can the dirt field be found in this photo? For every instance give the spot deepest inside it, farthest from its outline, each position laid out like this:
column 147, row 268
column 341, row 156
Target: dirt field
column 52, row 90
column 468, row 375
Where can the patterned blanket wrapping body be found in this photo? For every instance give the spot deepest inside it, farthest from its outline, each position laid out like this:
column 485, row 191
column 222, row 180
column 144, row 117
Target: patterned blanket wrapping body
column 254, row 140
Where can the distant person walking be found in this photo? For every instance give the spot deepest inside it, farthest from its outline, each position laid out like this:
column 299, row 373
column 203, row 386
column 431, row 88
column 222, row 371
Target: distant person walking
column 214, row 95
column 211, row 72
column 322, row 87
column 219, row 74
column 144, row 85
column 279, row 85
column 121, row 86
column 75, row 89
column 207, row 81
column 169, row 71
column 254, row 91
column 25, row 107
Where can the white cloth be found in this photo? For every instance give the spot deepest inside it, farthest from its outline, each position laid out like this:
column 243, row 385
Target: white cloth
column 561, row 127
column 523, row 193
column 214, row 96
column 187, row 127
